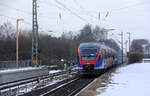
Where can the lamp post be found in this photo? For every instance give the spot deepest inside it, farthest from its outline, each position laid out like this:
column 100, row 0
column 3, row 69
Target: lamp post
column 17, row 41
column 126, row 47
column 51, row 50
column 129, row 40
column 121, row 46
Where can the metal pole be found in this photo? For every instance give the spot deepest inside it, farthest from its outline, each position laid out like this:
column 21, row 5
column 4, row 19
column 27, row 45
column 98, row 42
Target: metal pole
column 17, row 34
column 122, row 45
column 126, row 44
column 17, row 41
column 35, row 36
column 129, row 40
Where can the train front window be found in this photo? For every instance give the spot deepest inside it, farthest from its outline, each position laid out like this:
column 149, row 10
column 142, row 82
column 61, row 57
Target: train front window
column 91, row 52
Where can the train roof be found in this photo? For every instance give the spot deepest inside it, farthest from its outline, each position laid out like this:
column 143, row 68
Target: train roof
column 89, row 45
column 94, row 45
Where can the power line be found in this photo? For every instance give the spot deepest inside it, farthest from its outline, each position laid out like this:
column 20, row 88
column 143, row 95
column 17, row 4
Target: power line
column 13, row 18
column 130, row 6
column 122, row 8
column 48, row 2
column 118, row 9
column 19, row 10
column 64, row 9
column 83, row 12
column 78, row 4
column 64, row 6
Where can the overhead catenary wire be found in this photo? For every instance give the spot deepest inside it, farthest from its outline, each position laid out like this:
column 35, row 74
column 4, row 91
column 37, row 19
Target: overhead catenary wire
column 130, row 6
column 13, row 18
column 83, row 12
column 62, row 6
column 72, row 9
column 73, row 13
column 83, row 9
column 75, row 1
column 48, row 2
column 16, row 9
column 19, row 10
column 118, row 9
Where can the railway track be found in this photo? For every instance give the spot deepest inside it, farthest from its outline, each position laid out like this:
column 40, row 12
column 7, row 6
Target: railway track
column 13, row 88
column 68, row 87
column 65, row 87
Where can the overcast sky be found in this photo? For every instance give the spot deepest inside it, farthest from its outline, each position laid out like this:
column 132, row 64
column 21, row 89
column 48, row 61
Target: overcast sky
column 124, row 15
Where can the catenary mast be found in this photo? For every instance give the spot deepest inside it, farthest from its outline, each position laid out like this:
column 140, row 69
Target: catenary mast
column 35, row 36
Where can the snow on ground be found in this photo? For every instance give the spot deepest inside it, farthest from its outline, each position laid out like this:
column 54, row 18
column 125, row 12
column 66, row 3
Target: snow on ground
column 27, row 68
column 30, row 87
column 131, row 80
column 19, row 69
column 54, row 71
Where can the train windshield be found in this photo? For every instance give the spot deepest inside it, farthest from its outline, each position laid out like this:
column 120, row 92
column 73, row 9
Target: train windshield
column 89, row 52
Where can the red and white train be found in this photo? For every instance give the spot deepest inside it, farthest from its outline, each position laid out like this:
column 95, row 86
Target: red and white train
column 94, row 57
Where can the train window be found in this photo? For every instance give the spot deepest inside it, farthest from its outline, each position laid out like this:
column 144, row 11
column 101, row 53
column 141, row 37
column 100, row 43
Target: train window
column 89, row 52
column 89, row 58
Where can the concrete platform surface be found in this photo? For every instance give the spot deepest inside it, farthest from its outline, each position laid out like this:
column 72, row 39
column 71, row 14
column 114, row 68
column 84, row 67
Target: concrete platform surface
column 22, row 73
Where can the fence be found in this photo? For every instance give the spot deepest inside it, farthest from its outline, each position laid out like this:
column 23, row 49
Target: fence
column 12, row 64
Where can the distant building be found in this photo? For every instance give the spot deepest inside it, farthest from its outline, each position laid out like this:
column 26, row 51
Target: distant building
column 138, row 45
column 146, row 50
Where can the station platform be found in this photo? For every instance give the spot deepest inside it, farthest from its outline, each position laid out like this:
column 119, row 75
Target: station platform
column 11, row 75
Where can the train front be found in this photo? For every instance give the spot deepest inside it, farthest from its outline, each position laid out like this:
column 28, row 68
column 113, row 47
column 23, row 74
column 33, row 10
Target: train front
column 89, row 58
